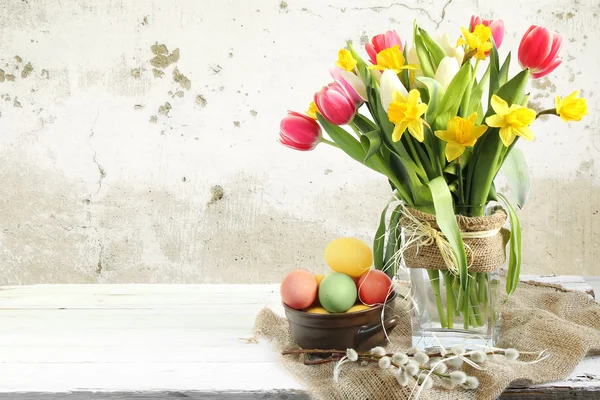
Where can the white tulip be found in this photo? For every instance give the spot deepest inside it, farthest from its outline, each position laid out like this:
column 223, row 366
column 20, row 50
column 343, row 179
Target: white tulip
column 356, row 83
column 450, row 48
column 390, row 83
column 446, row 70
column 413, row 58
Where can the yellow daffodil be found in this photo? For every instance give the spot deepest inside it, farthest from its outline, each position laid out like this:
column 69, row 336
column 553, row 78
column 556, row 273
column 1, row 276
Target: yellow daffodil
column 345, row 60
column 513, row 121
column 478, row 40
column 461, row 133
column 571, row 108
column 312, row 110
column 392, row 58
column 405, row 112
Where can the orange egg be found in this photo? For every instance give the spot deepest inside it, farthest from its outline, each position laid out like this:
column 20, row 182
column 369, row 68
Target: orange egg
column 374, row 287
column 299, row 289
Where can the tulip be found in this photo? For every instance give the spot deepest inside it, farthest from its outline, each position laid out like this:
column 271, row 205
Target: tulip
column 389, row 84
column 496, row 25
column 538, row 51
column 381, row 42
column 446, row 70
column 451, row 50
column 353, row 85
column 335, row 104
column 299, row 132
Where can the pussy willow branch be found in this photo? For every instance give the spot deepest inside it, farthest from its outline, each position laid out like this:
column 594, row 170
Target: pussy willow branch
column 367, row 354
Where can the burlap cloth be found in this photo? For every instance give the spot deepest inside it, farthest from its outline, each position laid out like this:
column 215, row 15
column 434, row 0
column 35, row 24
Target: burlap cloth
column 484, row 254
column 536, row 317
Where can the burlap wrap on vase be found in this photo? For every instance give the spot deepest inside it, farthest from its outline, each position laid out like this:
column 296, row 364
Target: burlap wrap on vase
column 483, row 254
column 537, row 317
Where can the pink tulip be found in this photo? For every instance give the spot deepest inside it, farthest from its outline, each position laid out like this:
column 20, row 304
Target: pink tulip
column 496, row 26
column 381, row 42
column 299, row 132
column 335, row 104
column 538, row 51
column 351, row 83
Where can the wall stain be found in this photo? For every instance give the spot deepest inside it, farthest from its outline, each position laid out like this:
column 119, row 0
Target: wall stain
column 183, row 81
column 158, row 73
column 10, row 77
column 136, row 73
column 201, row 101
column 237, row 124
column 26, row 70
column 2, row 77
column 45, row 74
column 216, row 193
column 16, row 103
column 254, row 113
column 153, row 119
column 164, row 109
column 283, row 6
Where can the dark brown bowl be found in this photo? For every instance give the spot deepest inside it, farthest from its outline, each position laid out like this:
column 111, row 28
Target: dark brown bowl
column 361, row 330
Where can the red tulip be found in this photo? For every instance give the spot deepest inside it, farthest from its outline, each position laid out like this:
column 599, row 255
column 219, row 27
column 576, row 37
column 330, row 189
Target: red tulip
column 496, row 25
column 335, row 104
column 381, row 42
column 299, row 132
column 538, row 51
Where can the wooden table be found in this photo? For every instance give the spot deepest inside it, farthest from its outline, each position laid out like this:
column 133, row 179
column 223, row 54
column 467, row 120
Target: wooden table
column 165, row 342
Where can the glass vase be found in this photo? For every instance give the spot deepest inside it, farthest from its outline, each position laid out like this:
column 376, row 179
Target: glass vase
column 441, row 314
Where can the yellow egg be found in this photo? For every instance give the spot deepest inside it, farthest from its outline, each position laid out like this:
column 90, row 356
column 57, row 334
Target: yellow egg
column 317, row 310
column 358, row 307
column 319, row 278
column 349, row 256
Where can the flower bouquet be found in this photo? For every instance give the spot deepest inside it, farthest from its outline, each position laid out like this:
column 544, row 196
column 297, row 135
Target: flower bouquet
column 440, row 120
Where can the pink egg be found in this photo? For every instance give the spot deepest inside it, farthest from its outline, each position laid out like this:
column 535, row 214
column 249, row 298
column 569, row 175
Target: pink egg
column 299, row 289
column 374, row 287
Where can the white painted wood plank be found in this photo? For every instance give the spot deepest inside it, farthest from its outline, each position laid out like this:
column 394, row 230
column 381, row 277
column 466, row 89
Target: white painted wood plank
column 59, row 377
column 57, row 338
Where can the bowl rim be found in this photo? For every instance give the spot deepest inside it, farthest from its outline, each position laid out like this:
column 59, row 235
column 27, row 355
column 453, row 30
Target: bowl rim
column 339, row 315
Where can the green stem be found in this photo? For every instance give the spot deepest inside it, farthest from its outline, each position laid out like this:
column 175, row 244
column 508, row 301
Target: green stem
column 475, row 70
column 550, row 111
column 414, row 153
column 482, row 287
column 475, row 301
column 329, row 142
column 434, row 278
column 461, row 189
column 355, row 128
column 450, row 300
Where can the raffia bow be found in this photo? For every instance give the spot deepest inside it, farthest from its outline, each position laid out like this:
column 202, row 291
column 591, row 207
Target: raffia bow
column 421, row 233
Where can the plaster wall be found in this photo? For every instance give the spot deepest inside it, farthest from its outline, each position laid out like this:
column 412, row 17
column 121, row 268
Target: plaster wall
column 111, row 171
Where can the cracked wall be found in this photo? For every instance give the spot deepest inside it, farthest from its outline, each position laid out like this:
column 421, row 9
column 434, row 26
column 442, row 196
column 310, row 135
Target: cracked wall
column 148, row 153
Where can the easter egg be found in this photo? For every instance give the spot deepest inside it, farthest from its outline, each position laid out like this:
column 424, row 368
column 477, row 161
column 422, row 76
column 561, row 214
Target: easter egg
column 317, row 310
column 358, row 307
column 319, row 278
column 348, row 256
column 374, row 287
column 298, row 289
column 337, row 293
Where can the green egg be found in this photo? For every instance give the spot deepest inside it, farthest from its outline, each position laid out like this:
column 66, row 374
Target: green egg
column 337, row 293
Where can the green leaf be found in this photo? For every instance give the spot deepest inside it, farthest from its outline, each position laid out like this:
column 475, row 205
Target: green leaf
column 424, row 60
column 374, row 138
column 503, row 74
column 513, row 91
column 494, row 74
column 446, row 220
column 364, row 124
column 362, row 66
column 390, row 250
column 516, row 171
column 436, row 51
column 453, row 96
column 436, row 94
column 477, row 94
column 514, row 260
column 343, row 139
column 405, row 74
column 379, row 240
